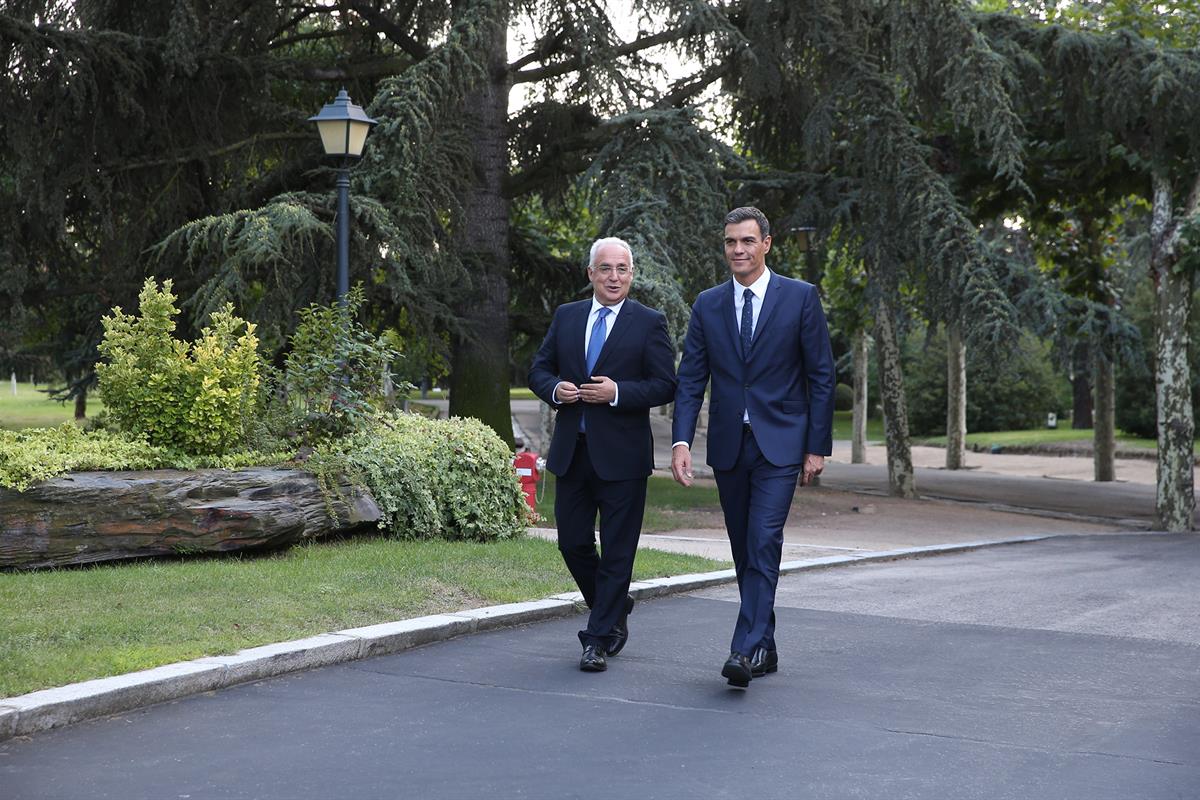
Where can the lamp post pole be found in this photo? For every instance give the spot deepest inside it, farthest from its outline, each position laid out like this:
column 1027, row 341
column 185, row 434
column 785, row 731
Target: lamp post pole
column 343, row 127
column 343, row 233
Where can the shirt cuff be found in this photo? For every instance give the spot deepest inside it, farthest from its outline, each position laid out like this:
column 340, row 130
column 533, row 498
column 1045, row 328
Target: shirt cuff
column 554, row 394
column 685, row 444
column 616, row 395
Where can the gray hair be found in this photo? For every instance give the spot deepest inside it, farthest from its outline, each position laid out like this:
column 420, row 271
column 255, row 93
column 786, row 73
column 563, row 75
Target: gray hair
column 596, row 245
column 747, row 213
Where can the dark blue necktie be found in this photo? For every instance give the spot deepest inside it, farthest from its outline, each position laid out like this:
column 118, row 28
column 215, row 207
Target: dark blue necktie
column 747, row 322
column 595, row 345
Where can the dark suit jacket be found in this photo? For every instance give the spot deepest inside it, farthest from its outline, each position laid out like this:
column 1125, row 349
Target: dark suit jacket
column 638, row 356
column 787, row 382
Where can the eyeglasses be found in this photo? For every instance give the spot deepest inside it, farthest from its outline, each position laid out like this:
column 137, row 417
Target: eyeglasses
column 608, row 269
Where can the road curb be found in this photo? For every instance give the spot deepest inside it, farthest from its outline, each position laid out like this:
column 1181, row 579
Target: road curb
column 53, row 708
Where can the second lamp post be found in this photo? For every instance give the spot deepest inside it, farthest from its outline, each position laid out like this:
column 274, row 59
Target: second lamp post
column 344, row 127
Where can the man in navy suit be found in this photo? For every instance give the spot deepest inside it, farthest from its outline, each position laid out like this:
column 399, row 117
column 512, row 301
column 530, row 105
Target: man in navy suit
column 763, row 341
column 604, row 364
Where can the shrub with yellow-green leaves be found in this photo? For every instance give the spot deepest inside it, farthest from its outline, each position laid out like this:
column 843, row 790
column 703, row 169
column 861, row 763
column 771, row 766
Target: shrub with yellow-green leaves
column 197, row 399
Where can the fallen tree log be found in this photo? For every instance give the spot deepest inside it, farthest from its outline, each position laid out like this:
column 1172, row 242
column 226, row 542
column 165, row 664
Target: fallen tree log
column 85, row 517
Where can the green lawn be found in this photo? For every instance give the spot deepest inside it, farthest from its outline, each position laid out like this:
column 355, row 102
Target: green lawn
column 669, row 506
column 842, row 422
column 62, row 626
column 31, row 408
column 1037, row 436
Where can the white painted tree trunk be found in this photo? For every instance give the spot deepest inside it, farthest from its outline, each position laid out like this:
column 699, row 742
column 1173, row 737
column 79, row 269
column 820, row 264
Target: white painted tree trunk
column 858, row 420
column 956, row 397
column 1104, row 416
column 901, row 481
column 1175, row 502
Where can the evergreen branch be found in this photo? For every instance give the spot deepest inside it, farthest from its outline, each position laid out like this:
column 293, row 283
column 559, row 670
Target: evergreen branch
column 389, row 28
column 197, row 155
column 575, row 63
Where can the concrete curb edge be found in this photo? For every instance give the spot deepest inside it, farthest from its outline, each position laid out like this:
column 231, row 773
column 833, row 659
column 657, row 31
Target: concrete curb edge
column 65, row 705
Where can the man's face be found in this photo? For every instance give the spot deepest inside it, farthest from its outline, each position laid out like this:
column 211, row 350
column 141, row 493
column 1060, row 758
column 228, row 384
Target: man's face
column 746, row 251
column 611, row 274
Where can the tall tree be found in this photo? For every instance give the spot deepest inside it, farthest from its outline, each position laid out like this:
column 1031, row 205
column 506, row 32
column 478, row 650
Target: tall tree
column 832, row 100
column 1138, row 100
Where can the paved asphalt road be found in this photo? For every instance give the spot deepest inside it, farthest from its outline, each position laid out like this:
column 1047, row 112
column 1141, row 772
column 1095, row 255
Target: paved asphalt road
column 1068, row 668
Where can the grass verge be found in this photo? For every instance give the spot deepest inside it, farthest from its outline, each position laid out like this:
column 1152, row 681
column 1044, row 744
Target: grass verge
column 31, row 408
column 1037, row 436
column 669, row 506
column 62, row 626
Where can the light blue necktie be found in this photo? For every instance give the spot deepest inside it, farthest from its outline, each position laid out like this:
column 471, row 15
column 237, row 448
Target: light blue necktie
column 595, row 345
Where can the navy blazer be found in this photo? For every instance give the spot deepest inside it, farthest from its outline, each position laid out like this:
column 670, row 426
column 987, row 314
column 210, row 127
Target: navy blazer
column 786, row 381
column 638, row 356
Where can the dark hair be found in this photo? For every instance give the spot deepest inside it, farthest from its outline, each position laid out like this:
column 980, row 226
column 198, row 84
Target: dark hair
column 749, row 212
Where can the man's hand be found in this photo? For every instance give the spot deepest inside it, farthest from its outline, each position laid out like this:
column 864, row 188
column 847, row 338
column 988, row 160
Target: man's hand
column 813, row 465
column 681, row 464
column 566, row 393
column 602, row 390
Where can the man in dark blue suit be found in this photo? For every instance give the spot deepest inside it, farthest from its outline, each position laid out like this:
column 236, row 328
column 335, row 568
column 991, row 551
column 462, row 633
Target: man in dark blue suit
column 763, row 341
column 604, row 364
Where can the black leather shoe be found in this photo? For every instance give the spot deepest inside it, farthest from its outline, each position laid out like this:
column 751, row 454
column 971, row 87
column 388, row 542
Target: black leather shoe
column 763, row 661
column 593, row 659
column 737, row 670
column 621, row 629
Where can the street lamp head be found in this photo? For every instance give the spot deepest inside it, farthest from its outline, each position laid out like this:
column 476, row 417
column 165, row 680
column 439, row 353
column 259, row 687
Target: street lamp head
column 804, row 237
column 343, row 127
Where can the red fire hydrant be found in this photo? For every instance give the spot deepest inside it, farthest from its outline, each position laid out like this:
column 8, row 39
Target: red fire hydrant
column 529, row 472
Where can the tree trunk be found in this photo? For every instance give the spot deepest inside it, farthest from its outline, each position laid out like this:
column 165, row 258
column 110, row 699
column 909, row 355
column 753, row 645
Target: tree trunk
column 1081, row 386
column 81, row 404
column 1104, row 435
column 479, row 379
column 1175, row 501
column 858, row 424
column 956, row 397
column 901, row 482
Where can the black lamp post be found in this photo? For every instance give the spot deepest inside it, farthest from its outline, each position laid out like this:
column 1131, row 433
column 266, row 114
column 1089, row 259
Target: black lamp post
column 804, row 239
column 343, row 127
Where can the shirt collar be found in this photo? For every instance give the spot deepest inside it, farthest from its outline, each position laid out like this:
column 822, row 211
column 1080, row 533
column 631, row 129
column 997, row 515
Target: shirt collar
column 596, row 305
column 759, row 287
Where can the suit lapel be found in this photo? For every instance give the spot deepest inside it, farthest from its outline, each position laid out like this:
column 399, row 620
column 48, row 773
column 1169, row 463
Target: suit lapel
column 728, row 311
column 774, row 289
column 575, row 339
column 620, row 325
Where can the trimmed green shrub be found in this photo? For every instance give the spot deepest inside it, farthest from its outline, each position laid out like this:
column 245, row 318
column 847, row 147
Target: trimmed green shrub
column 432, row 478
column 197, row 399
column 1013, row 394
column 843, row 398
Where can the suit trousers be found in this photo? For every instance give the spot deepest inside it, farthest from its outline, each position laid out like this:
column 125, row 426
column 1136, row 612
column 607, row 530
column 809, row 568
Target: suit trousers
column 756, row 496
column 603, row 578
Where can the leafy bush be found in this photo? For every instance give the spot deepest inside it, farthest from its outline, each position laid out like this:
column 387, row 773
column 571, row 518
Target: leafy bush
column 1014, row 394
column 196, row 399
column 432, row 478
column 334, row 374
column 843, row 398
column 35, row 454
